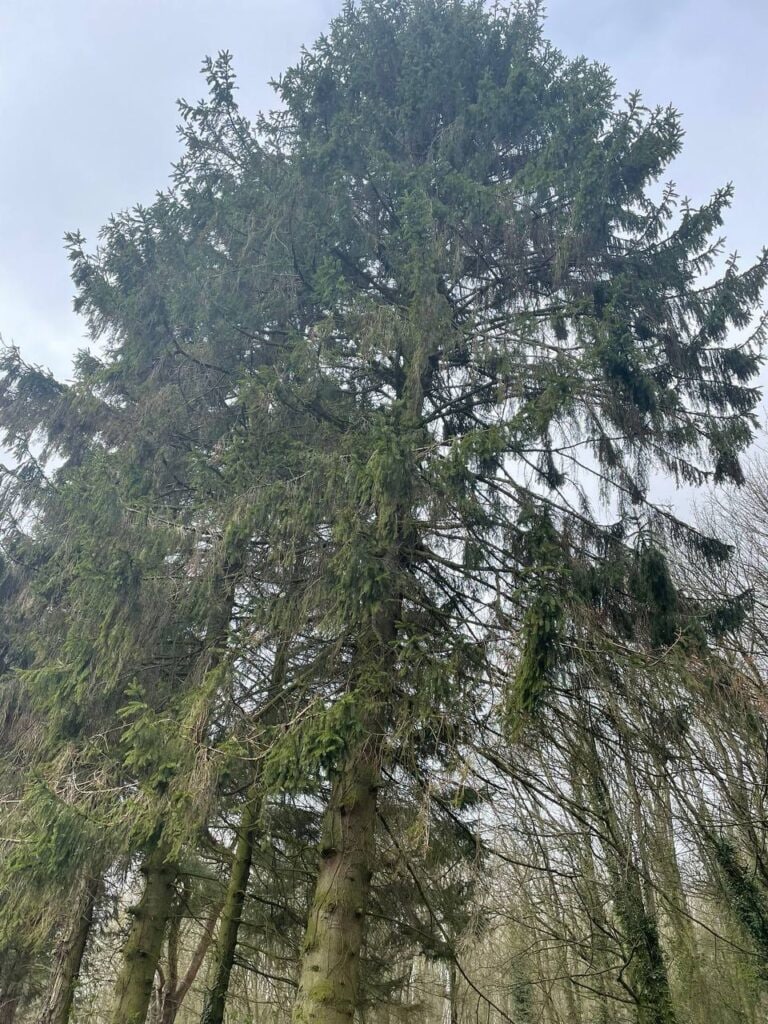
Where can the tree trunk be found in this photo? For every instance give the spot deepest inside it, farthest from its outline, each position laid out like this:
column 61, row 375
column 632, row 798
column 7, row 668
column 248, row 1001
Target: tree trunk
column 231, row 915
column 646, row 966
column 453, row 993
column 329, row 985
column 141, row 953
column 226, row 942
column 9, row 1004
column 165, row 992
column 329, row 979
column 69, row 957
column 8, row 1007
column 173, row 994
column 143, row 948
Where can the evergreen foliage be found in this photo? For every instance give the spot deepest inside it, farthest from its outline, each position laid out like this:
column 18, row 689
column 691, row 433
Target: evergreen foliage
column 343, row 536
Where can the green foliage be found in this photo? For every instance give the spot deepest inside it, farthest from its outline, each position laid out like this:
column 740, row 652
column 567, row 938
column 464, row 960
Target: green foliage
column 540, row 654
column 330, row 460
column 654, row 589
column 320, row 746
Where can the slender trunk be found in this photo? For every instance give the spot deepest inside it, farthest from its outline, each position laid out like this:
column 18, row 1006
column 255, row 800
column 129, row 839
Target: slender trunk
column 746, row 898
column 522, row 1003
column 596, row 958
column 232, row 912
column 9, row 1004
column 646, row 967
column 141, row 953
column 166, row 990
column 572, row 995
column 453, row 993
column 226, row 942
column 143, row 948
column 174, row 990
column 686, row 959
column 69, row 957
column 329, row 985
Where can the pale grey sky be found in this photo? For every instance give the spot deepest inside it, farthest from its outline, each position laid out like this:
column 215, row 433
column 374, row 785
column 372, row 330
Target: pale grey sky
column 87, row 114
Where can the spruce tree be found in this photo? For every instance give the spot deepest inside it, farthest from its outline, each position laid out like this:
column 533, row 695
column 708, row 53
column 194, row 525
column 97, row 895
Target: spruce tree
column 511, row 315
column 365, row 368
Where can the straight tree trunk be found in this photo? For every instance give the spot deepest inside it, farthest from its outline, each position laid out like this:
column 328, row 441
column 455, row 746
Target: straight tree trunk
column 646, row 966
column 453, row 993
column 596, row 958
column 687, row 962
column 329, row 984
column 329, row 979
column 9, row 1004
column 69, row 958
column 175, row 992
column 143, row 948
column 231, row 916
column 232, row 911
column 141, row 953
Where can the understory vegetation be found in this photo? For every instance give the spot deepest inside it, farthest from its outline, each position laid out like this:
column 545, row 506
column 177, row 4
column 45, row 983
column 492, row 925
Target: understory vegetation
column 354, row 664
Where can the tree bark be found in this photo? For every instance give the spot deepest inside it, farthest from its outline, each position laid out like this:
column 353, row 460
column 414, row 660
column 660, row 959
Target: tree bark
column 143, row 948
column 646, row 966
column 69, row 958
column 453, row 993
column 229, row 926
column 8, row 1007
column 9, row 1004
column 329, row 985
column 329, row 979
column 175, row 991
column 141, row 953
column 232, row 911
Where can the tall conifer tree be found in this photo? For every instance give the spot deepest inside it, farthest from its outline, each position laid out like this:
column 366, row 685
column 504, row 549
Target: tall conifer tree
column 387, row 344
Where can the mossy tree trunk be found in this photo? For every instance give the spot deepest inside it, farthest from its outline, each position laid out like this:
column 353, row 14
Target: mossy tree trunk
column 69, row 958
column 143, row 947
column 645, row 974
column 687, row 965
column 141, row 953
column 646, row 966
column 329, row 985
column 745, row 896
column 231, row 916
column 596, row 958
column 234, row 900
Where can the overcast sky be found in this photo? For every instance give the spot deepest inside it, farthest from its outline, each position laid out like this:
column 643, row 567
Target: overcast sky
column 87, row 110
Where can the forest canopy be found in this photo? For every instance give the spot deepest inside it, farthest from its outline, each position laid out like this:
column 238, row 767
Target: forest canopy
column 351, row 666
